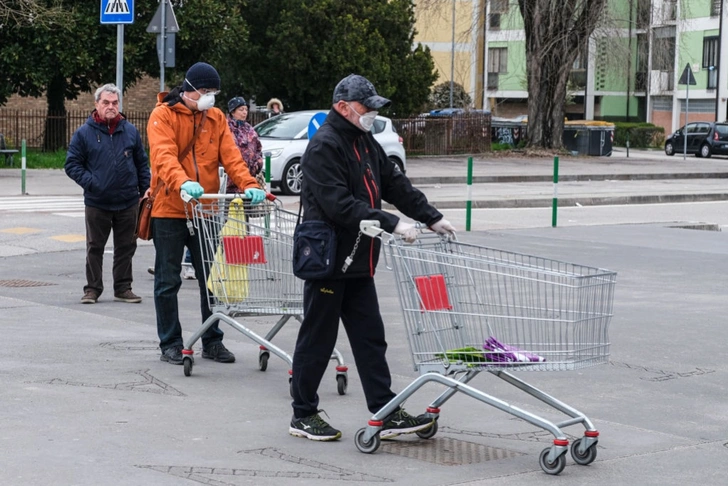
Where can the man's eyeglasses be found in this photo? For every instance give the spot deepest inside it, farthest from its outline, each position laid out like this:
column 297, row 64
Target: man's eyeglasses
column 204, row 91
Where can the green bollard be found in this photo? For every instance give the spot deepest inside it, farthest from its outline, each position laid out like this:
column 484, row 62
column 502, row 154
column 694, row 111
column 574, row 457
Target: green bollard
column 469, row 202
column 22, row 169
column 555, row 200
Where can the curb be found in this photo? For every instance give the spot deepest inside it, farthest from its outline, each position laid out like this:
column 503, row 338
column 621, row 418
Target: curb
column 426, row 180
column 577, row 201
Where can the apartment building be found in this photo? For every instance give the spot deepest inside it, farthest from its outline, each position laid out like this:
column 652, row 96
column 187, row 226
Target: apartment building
column 629, row 68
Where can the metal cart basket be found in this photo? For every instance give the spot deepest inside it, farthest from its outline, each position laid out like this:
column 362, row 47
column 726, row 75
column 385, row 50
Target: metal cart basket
column 247, row 254
column 469, row 309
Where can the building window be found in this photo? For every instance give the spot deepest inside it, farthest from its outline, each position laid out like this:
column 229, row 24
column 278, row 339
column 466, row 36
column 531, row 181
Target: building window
column 715, row 8
column 500, row 6
column 710, row 59
column 497, row 64
column 497, row 9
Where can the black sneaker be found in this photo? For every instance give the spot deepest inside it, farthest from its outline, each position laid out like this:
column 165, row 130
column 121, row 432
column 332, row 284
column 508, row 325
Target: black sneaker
column 172, row 355
column 218, row 352
column 314, row 428
column 400, row 422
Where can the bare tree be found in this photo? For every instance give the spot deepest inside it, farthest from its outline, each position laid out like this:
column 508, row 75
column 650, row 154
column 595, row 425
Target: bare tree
column 555, row 31
column 19, row 12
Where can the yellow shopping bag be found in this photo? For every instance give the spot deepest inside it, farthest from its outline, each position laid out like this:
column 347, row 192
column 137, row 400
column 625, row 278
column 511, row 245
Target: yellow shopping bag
column 228, row 281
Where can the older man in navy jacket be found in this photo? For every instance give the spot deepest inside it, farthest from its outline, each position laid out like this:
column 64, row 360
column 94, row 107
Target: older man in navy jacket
column 106, row 157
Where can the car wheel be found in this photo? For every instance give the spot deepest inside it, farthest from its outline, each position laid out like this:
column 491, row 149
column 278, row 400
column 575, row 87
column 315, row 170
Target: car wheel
column 397, row 163
column 669, row 149
column 292, row 178
column 705, row 151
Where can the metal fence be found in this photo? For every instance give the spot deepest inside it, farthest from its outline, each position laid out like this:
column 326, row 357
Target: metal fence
column 462, row 134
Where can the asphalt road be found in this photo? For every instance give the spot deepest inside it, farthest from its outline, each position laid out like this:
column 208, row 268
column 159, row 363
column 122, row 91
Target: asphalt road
column 86, row 401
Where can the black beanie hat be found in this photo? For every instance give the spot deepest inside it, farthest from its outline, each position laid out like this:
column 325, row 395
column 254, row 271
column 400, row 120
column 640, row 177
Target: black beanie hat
column 236, row 103
column 201, row 75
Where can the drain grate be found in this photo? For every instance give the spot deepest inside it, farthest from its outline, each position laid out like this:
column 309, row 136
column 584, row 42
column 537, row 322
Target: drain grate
column 447, row 452
column 23, row 283
column 699, row 226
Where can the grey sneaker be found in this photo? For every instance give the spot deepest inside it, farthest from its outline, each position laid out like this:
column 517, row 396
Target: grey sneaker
column 172, row 355
column 127, row 296
column 89, row 297
column 313, row 427
column 400, row 422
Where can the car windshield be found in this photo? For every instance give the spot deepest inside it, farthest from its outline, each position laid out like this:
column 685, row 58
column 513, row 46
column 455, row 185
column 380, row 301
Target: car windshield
column 286, row 126
column 722, row 129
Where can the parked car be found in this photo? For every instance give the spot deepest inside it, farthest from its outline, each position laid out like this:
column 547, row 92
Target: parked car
column 286, row 137
column 703, row 139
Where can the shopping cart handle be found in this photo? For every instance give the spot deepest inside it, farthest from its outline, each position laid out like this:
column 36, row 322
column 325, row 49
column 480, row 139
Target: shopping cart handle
column 185, row 197
column 370, row 228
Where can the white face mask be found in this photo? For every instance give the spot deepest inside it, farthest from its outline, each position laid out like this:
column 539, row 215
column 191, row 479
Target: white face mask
column 366, row 120
column 206, row 101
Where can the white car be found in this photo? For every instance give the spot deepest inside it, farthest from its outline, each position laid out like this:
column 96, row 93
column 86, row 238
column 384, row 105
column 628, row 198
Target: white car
column 285, row 137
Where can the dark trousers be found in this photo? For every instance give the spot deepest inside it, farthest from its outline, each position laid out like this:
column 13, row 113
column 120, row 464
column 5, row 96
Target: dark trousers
column 355, row 302
column 99, row 224
column 170, row 237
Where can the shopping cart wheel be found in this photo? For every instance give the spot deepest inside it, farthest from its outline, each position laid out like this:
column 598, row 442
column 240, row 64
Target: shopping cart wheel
column 429, row 432
column 188, row 363
column 366, row 447
column 263, row 361
column 341, row 384
column 551, row 467
column 585, row 458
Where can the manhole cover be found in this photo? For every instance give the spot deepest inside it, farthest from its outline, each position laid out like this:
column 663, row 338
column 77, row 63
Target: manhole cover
column 23, row 283
column 446, row 451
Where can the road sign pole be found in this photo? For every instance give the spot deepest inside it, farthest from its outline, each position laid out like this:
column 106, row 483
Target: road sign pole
column 687, row 110
column 120, row 62
column 162, row 56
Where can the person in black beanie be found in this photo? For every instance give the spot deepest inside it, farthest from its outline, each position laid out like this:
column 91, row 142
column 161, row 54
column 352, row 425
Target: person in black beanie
column 179, row 115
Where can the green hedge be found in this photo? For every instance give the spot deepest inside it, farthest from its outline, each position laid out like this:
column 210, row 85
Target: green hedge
column 641, row 135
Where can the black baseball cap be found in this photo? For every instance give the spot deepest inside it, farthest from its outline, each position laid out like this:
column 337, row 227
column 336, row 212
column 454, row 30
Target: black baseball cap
column 358, row 88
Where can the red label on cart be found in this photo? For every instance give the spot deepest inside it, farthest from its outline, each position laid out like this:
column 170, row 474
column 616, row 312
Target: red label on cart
column 245, row 250
column 433, row 293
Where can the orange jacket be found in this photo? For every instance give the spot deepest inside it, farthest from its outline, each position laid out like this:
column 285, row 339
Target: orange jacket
column 170, row 130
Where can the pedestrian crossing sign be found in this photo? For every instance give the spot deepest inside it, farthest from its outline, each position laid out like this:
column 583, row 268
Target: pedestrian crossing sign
column 117, row 11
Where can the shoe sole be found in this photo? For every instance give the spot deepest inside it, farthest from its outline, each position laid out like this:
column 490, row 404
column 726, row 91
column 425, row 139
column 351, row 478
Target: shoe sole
column 128, row 301
column 319, row 438
column 207, row 356
column 88, row 301
column 166, row 359
column 391, row 433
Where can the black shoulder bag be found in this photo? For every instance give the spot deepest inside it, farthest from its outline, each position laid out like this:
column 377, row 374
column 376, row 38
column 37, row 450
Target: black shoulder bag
column 314, row 249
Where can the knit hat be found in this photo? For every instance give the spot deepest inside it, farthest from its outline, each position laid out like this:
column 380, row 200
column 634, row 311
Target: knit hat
column 236, row 103
column 201, row 75
column 358, row 88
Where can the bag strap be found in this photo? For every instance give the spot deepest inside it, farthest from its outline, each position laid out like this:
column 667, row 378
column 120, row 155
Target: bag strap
column 198, row 130
column 182, row 155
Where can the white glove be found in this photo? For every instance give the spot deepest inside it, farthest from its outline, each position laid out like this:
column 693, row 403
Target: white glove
column 443, row 227
column 408, row 231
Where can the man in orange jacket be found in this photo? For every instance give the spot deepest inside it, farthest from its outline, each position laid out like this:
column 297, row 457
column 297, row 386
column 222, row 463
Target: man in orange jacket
column 170, row 130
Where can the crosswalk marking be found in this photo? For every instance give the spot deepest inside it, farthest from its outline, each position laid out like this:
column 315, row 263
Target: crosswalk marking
column 117, row 6
column 46, row 204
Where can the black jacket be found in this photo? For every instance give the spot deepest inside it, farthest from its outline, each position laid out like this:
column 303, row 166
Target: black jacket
column 112, row 169
column 346, row 175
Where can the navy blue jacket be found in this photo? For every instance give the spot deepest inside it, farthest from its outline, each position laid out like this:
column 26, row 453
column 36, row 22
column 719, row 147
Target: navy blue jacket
column 346, row 175
column 112, row 169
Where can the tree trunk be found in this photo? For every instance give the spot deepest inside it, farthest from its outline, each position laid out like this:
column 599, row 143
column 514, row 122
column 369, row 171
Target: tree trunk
column 555, row 30
column 55, row 126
